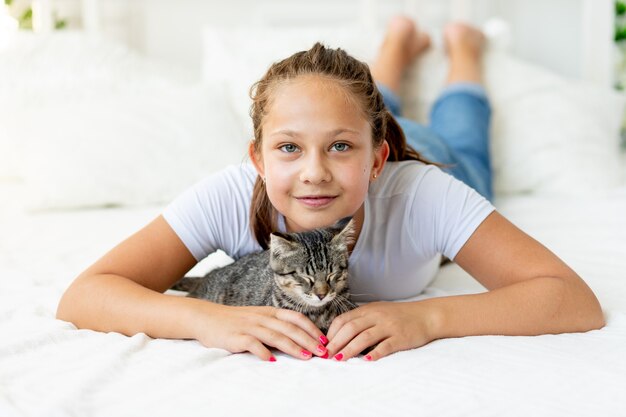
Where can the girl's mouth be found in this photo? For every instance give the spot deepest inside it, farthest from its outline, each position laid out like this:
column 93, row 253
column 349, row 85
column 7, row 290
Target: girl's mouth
column 316, row 201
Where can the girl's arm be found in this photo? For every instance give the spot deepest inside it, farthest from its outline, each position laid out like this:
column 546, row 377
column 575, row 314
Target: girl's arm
column 122, row 292
column 531, row 292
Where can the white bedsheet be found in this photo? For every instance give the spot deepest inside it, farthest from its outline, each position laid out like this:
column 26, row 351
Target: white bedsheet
column 48, row 368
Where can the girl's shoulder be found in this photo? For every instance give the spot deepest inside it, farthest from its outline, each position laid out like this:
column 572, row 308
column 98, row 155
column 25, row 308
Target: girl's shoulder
column 236, row 176
column 406, row 177
column 423, row 201
column 425, row 186
column 214, row 213
column 230, row 185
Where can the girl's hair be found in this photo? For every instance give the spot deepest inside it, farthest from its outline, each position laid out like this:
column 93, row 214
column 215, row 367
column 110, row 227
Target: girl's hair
column 355, row 77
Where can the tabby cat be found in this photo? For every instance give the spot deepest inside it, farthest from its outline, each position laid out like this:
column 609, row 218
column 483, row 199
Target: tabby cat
column 305, row 272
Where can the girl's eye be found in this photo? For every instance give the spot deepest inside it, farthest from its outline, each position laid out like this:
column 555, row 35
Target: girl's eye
column 341, row 147
column 289, row 148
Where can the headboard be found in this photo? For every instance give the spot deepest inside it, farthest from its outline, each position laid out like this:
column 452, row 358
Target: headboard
column 571, row 37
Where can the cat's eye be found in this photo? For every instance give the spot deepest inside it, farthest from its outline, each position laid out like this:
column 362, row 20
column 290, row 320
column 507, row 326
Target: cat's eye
column 333, row 276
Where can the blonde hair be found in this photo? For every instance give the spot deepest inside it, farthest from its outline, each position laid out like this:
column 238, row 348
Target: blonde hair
column 355, row 77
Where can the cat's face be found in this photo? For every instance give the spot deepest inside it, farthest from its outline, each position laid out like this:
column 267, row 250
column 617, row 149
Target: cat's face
column 312, row 267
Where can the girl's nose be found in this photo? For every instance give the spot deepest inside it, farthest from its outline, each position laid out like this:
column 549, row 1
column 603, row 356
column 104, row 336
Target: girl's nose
column 314, row 170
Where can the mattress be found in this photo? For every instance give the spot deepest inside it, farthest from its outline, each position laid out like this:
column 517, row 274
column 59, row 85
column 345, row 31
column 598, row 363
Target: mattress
column 49, row 368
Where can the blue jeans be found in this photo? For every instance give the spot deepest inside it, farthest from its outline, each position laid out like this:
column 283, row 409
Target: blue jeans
column 458, row 135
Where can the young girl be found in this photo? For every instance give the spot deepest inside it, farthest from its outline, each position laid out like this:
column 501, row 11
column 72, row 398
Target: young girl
column 325, row 147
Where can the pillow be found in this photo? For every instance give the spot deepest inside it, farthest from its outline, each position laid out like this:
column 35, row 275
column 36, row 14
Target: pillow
column 95, row 125
column 550, row 135
column 37, row 69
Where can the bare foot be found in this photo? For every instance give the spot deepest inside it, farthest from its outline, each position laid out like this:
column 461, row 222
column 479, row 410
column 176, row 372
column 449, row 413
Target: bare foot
column 465, row 45
column 402, row 45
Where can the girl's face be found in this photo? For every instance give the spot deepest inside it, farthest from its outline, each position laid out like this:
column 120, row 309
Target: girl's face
column 317, row 155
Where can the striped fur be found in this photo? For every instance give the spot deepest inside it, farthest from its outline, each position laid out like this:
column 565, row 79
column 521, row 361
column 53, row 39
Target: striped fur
column 306, row 272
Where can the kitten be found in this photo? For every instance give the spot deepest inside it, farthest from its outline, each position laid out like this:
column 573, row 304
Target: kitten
column 305, row 272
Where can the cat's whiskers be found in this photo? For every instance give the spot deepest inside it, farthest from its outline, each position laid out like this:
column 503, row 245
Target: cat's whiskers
column 300, row 304
column 354, row 293
column 343, row 305
column 339, row 304
column 304, row 306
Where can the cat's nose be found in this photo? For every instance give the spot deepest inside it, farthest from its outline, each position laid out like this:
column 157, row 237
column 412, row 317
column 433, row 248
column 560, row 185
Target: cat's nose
column 320, row 296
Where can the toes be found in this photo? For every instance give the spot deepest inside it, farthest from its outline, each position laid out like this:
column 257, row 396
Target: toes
column 459, row 34
column 401, row 25
column 404, row 35
column 457, row 31
column 423, row 42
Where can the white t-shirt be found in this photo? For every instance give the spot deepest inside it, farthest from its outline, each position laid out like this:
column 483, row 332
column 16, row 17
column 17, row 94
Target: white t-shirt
column 413, row 214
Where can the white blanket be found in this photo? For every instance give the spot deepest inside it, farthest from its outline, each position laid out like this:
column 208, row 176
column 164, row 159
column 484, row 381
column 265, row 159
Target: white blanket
column 48, row 368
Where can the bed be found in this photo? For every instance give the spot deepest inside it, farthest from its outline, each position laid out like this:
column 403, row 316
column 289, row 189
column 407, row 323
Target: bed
column 95, row 139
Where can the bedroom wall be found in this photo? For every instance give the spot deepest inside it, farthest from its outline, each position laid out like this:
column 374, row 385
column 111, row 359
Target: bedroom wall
column 544, row 31
column 554, row 25
column 547, row 32
column 573, row 38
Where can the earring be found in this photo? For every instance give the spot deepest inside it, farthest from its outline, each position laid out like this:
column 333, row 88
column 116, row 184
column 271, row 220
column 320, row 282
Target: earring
column 375, row 176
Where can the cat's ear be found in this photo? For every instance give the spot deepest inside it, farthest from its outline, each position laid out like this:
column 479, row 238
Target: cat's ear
column 345, row 236
column 281, row 243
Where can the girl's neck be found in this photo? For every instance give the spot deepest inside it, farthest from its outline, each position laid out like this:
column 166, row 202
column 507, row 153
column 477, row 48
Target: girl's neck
column 359, row 218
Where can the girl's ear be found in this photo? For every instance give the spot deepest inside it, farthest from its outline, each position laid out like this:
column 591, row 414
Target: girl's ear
column 255, row 157
column 380, row 157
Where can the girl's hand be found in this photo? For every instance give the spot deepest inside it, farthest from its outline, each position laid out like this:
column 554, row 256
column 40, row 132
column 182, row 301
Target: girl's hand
column 240, row 329
column 393, row 326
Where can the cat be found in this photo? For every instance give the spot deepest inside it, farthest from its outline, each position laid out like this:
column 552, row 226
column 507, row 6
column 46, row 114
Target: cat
column 306, row 272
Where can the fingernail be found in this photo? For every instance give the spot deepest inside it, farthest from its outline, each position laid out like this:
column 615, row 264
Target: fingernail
column 325, row 355
column 306, row 353
column 339, row 356
column 323, row 340
column 368, row 357
column 321, row 349
column 272, row 359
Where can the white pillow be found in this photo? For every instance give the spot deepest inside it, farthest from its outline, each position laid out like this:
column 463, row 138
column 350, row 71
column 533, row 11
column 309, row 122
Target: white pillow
column 36, row 70
column 108, row 129
column 549, row 134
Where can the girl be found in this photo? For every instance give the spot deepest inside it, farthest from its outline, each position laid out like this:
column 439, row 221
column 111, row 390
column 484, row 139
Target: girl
column 325, row 147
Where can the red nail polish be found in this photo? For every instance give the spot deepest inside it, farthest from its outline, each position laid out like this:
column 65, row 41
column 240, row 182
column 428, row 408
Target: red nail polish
column 325, row 355
column 368, row 357
column 321, row 349
column 305, row 353
column 272, row 359
column 339, row 356
column 323, row 340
